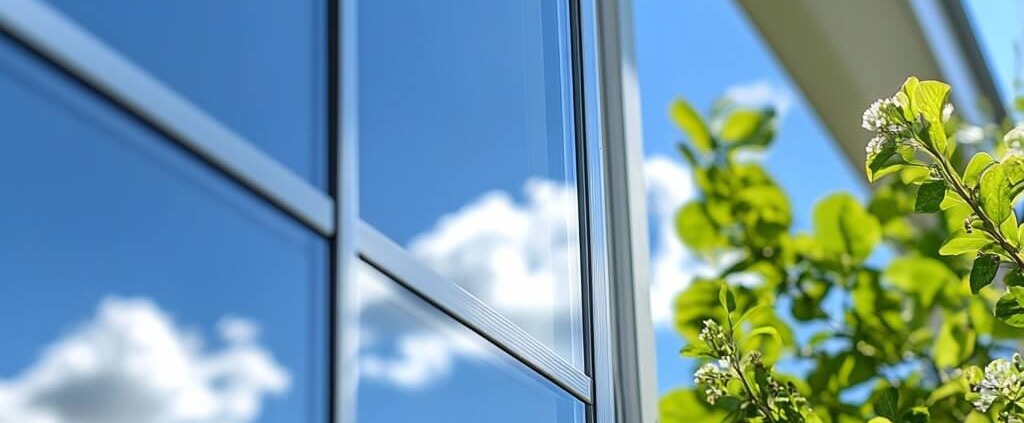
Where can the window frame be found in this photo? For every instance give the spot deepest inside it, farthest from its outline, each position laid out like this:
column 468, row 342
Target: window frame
column 611, row 207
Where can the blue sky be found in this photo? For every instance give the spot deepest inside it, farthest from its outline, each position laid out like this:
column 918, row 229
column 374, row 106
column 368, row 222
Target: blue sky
column 997, row 26
column 698, row 53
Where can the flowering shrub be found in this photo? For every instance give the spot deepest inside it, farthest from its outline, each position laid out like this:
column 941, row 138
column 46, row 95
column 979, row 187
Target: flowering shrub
column 903, row 342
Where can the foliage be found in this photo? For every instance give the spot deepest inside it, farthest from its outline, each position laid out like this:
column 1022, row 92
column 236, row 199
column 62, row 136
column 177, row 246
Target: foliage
column 755, row 390
column 905, row 294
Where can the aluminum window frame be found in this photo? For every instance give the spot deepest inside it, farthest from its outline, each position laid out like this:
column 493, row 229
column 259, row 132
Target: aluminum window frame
column 598, row 32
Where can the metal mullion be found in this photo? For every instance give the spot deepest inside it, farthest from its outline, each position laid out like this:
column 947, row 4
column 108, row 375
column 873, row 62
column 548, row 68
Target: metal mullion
column 391, row 259
column 587, row 71
column 590, row 211
column 630, row 361
column 85, row 57
column 346, row 314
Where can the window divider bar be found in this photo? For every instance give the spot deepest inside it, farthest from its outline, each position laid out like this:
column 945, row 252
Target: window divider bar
column 343, row 105
column 85, row 57
column 596, row 248
column 633, row 366
column 391, row 259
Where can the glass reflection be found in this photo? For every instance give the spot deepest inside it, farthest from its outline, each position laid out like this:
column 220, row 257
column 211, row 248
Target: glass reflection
column 418, row 365
column 467, row 151
column 136, row 285
column 258, row 66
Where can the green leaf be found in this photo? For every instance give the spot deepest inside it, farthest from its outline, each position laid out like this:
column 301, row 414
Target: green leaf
column 878, row 165
column 687, row 119
column 906, row 95
column 764, row 210
column 922, row 276
column 844, row 228
column 698, row 350
column 955, row 342
column 914, row 174
column 741, row 124
column 688, row 154
column 983, row 271
column 1014, row 277
column 726, row 298
column 753, row 312
column 687, row 406
column 915, row 415
column 1014, row 168
column 765, row 331
column 964, row 243
column 948, row 389
column 1010, row 308
column 978, row 164
column 995, row 193
column 699, row 301
column 887, row 404
column 1009, row 228
column 929, row 196
column 951, row 200
column 696, row 229
column 972, row 375
column 929, row 99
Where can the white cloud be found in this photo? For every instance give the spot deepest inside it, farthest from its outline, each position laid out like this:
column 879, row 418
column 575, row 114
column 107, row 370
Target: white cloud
column 130, row 364
column 516, row 257
column 409, row 357
column 520, row 258
column 669, row 185
column 420, row 359
column 762, row 93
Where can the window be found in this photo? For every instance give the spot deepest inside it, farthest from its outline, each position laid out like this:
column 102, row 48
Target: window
column 257, row 66
column 182, row 217
column 138, row 285
column 468, row 154
column 418, row 365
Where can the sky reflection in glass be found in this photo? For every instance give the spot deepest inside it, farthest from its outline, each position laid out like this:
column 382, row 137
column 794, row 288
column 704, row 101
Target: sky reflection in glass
column 418, row 365
column 258, row 66
column 467, row 152
column 136, row 284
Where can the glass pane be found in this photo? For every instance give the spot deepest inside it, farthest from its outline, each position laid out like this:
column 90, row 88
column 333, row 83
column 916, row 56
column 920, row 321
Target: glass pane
column 467, row 151
column 257, row 66
column 136, row 285
column 418, row 365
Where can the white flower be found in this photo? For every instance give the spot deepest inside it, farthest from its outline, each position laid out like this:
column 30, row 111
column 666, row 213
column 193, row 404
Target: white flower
column 947, row 112
column 875, row 145
column 1014, row 139
column 713, row 335
column 1003, row 380
column 879, row 115
column 714, row 380
column 885, row 118
column 970, row 134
